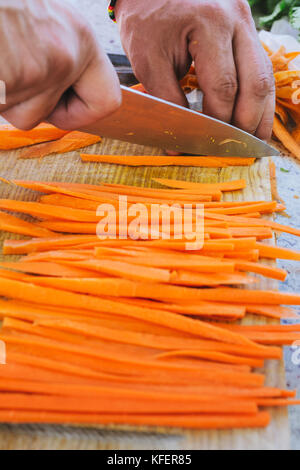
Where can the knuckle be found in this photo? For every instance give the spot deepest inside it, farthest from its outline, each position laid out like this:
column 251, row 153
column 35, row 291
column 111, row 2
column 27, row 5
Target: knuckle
column 264, row 85
column 211, row 9
column 227, row 88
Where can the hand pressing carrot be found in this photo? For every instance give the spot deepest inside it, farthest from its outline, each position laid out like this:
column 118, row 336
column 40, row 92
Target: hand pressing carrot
column 53, row 67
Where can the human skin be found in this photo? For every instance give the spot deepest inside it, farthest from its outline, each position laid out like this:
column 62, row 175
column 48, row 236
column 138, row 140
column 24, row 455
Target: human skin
column 52, row 66
column 163, row 37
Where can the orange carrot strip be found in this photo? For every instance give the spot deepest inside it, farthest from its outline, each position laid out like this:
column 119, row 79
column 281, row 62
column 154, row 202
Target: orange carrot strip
column 261, row 419
column 48, row 268
column 286, row 138
column 267, row 271
column 71, row 141
column 105, row 404
column 40, row 210
column 277, row 252
column 10, row 223
column 12, row 138
column 212, row 162
column 36, row 294
column 226, row 186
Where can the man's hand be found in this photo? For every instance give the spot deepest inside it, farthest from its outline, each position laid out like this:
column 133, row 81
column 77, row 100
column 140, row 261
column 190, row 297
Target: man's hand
column 52, row 66
column 162, row 37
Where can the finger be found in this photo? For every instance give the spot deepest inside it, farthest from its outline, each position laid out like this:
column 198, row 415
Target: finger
column 94, row 95
column 256, row 84
column 28, row 114
column 161, row 82
column 216, row 74
column 264, row 130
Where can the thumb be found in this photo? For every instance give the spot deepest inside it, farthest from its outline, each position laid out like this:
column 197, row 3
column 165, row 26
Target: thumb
column 94, row 95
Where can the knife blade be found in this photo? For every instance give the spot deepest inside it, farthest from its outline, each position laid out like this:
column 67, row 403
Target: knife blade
column 146, row 120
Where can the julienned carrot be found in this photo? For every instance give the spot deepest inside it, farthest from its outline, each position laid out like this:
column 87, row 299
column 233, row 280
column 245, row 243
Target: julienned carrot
column 226, row 186
column 12, row 138
column 265, row 270
column 212, row 162
column 214, row 356
column 124, row 364
column 40, row 210
column 272, row 311
column 271, row 402
column 188, row 278
column 10, row 223
column 36, row 244
column 71, row 141
column 119, row 404
column 124, row 269
column 158, row 193
column 260, row 207
column 277, row 252
column 36, row 294
column 48, row 268
column 261, row 419
column 191, row 263
column 58, row 242
column 256, row 222
column 286, row 138
column 84, row 390
column 261, row 233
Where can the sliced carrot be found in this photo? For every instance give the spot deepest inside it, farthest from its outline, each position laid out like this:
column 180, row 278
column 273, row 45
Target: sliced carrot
column 277, row 252
column 48, row 268
column 12, row 138
column 36, row 294
column 71, row 141
column 40, row 210
column 10, row 223
column 261, row 419
column 105, row 404
column 226, row 186
column 212, row 162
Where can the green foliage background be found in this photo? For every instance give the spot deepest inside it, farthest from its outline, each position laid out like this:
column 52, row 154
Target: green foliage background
column 272, row 10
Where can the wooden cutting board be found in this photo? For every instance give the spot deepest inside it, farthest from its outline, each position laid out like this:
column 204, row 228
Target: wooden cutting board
column 70, row 169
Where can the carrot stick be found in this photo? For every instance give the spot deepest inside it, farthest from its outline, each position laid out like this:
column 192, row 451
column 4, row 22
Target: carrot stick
column 212, row 162
column 277, row 252
column 266, row 271
column 226, row 186
column 106, row 405
column 261, row 419
column 53, row 242
column 36, row 294
column 273, row 311
column 49, row 268
column 131, row 365
column 286, row 138
column 73, row 389
column 71, row 141
column 10, row 223
column 12, row 138
column 40, row 210
column 214, row 356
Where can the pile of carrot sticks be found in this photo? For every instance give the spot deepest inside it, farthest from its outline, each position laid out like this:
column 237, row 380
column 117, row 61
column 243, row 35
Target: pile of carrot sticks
column 286, row 126
column 141, row 331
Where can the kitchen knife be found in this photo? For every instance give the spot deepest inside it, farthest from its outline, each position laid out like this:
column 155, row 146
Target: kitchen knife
column 146, row 120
